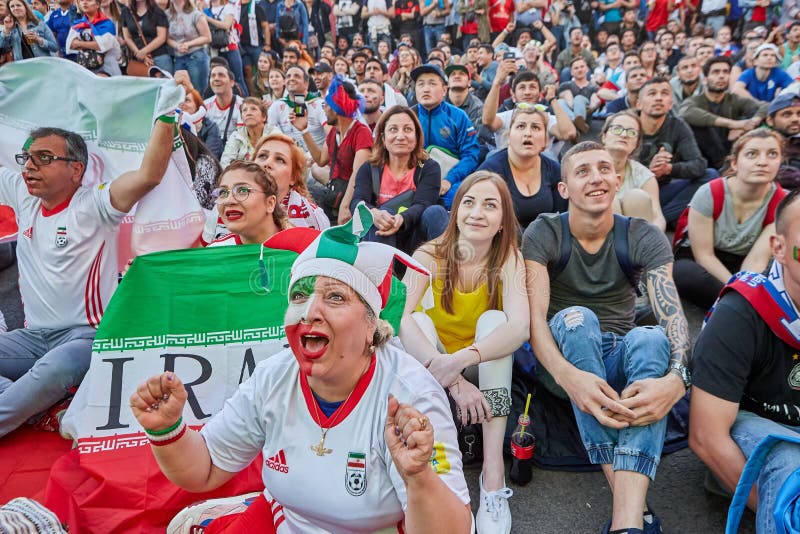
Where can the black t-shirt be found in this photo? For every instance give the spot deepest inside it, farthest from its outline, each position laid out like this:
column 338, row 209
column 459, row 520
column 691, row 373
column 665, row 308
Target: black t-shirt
column 244, row 22
column 739, row 359
column 149, row 22
column 572, row 87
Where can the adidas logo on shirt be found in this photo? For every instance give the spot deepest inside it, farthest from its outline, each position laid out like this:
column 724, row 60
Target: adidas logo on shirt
column 278, row 462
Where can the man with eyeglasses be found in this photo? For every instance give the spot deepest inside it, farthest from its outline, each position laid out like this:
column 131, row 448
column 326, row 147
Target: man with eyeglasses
column 746, row 372
column 67, row 256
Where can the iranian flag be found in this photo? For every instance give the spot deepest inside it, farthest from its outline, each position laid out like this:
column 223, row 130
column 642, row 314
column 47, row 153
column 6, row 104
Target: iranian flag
column 210, row 315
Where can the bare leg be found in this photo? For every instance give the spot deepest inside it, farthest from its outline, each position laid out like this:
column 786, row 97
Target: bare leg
column 630, row 493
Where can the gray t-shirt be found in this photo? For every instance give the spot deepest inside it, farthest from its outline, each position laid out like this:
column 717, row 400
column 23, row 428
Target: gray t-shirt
column 596, row 280
column 730, row 235
column 183, row 27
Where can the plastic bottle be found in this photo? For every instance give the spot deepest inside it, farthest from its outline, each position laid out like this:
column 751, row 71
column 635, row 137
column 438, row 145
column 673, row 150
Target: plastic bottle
column 522, row 446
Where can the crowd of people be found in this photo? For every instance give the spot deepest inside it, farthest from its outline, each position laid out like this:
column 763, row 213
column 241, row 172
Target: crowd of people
column 546, row 171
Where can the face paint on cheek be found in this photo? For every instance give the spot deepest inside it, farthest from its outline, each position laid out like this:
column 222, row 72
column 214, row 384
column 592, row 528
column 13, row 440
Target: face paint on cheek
column 295, row 313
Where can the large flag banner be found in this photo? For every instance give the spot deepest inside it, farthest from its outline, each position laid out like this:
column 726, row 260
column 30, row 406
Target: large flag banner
column 210, row 315
column 115, row 117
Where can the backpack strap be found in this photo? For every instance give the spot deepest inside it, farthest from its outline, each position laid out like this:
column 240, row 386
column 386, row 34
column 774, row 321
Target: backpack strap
column 777, row 196
column 717, row 187
column 621, row 226
column 566, row 246
column 376, row 182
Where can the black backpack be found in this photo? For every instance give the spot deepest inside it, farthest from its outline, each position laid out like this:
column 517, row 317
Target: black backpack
column 287, row 26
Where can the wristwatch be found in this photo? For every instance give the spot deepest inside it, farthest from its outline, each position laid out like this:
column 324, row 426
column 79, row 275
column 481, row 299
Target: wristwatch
column 682, row 372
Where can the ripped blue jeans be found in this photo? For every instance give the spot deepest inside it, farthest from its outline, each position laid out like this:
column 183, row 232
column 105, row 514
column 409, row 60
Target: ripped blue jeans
column 619, row 360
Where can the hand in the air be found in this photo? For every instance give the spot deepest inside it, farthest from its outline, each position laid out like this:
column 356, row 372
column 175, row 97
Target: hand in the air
column 409, row 436
column 158, row 402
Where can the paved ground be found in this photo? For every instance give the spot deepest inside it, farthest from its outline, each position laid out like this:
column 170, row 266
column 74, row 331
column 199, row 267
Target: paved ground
column 558, row 502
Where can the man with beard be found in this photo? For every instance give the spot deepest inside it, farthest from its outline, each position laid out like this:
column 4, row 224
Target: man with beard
column 784, row 118
column 458, row 94
column 634, row 80
column 372, row 91
column 377, row 70
column 280, row 110
column 359, row 65
column 669, row 149
column 687, row 82
column 717, row 116
column 322, row 74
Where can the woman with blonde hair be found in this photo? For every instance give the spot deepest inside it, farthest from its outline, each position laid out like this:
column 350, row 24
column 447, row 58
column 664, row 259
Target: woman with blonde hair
column 241, row 144
column 477, row 318
column 286, row 163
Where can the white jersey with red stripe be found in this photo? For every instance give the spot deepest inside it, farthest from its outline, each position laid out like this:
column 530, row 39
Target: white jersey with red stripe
column 67, row 256
column 353, row 486
column 303, row 213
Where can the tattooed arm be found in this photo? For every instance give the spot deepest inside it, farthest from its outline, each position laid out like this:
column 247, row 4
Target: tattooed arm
column 652, row 398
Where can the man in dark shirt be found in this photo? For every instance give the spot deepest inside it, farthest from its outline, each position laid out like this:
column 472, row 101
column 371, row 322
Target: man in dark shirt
column 578, row 96
column 669, row 149
column 746, row 372
column 254, row 39
column 784, row 118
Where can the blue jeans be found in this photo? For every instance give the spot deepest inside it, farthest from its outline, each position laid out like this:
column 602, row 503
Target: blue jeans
column 579, row 106
column 37, row 369
column 197, row 65
column 165, row 62
column 249, row 55
column 619, row 360
column 431, row 34
column 747, row 431
column 235, row 62
column 676, row 194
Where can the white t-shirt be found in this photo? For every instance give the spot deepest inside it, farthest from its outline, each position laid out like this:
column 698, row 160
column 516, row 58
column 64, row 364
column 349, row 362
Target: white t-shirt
column 220, row 115
column 226, row 241
column 278, row 115
column 636, row 175
column 354, row 488
column 303, row 213
column 67, row 256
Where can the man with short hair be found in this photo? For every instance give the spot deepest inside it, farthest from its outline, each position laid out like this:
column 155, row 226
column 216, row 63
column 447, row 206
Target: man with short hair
column 372, row 91
column 704, row 53
column 322, row 74
column 346, row 147
column 281, row 110
column 67, row 257
column 291, row 57
column 223, row 107
column 60, row 20
column 686, row 82
column 459, row 95
column 537, row 64
column 634, row 80
column 359, row 62
column 718, row 116
column 765, row 79
column 784, row 118
column 483, row 76
column 621, row 379
column 377, row 70
column 575, row 49
column 669, row 53
column 669, row 149
column 746, row 373
column 446, row 127
column 578, row 96
column 791, row 48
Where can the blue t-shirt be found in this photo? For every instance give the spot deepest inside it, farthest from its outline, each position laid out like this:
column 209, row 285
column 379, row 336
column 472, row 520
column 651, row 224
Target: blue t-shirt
column 612, row 15
column 765, row 90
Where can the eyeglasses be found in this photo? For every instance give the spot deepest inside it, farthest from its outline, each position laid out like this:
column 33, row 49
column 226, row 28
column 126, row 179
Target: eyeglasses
column 620, row 131
column 39, row 159
column 239, row 192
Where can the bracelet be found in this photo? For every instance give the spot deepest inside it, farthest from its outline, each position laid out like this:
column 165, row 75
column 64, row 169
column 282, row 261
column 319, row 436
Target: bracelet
column 169, row 438
column 473, row 347
column 169, row 119
column 158, row 433
column 304, row 131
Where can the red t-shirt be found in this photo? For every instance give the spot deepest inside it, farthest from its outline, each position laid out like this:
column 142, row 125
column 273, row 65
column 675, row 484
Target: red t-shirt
column 658, row 16
column 392, row 186
column 500, row 14
column 359, row 137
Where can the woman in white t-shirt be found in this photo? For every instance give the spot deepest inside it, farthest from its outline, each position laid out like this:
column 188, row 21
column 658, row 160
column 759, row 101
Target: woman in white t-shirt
column 638, row 194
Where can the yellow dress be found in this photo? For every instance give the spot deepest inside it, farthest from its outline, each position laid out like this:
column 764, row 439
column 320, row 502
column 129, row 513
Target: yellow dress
column 457, row 330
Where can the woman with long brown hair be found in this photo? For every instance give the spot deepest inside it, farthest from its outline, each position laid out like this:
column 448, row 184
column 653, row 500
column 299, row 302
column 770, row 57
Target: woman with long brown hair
column 478, row 317
column 21, row 24
column 403, row 199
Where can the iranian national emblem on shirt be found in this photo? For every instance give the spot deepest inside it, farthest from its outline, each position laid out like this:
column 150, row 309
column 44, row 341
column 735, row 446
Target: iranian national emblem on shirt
column 356, row 475
column 794, row 378
column 61, row 237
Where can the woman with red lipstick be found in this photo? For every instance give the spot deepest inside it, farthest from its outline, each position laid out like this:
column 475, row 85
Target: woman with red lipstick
column 247, row 205
column 356, row 435
column 479, row 316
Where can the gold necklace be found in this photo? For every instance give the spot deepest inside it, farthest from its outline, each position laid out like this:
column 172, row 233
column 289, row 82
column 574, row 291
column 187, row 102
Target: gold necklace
column 319, row 448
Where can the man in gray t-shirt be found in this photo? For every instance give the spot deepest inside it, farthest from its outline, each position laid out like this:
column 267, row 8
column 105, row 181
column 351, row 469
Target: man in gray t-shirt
column 621, row 379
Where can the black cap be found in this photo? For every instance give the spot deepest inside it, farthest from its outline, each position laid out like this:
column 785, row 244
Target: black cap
column 456, row 66
column 428, row 68
column 320, row 67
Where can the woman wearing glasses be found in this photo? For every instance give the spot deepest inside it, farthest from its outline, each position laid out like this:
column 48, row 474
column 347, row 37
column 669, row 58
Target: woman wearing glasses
column 247, row 204
column 638, row 194
column 532, row 177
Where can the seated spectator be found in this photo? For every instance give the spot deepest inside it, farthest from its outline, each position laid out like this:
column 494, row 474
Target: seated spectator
column 717, row 116
column 247, row 204
column 254, row 126
column 346, row 147
column 575, row 49
column 459, row 95
column 536, row 62
column 637, row 195
column 401, row 79
column 634, row 80
column 484, row 75
column 280, row 110
column 372, row 91
column 791, row 47
column 446, row 128
column 722, row 239
column 751, row 392
column 585, row 339
column 378, row 71
column 285, row 163
column 204, row 128
column 276, row 87
column 532, row 177
column 686, row 82
column 24, row 25
column 669, row 149
column 578, row 96
column 400, row 184
column 525, row 90
column 477, row 319
column 784, row 118
column 68, row 280
column 723, row 45
column 765, row 79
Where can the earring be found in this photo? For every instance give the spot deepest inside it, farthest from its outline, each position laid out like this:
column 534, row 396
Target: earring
column 371, row 348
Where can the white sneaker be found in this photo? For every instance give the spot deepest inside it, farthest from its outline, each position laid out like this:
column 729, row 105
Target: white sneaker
column 494, row 515
column 197, row 516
